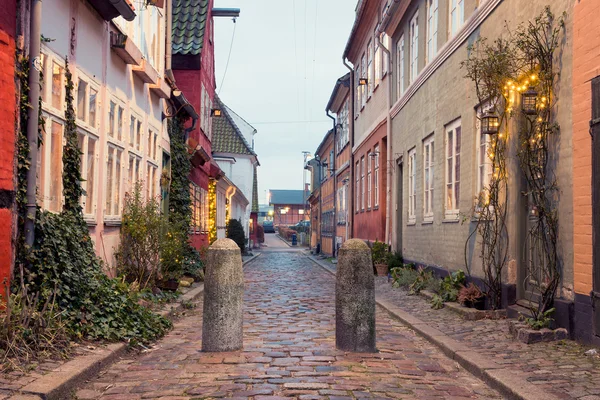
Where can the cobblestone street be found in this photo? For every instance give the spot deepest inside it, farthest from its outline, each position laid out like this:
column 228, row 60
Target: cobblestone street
column 289, row 351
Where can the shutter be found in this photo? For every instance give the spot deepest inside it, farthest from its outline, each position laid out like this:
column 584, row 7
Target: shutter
column 595, row 132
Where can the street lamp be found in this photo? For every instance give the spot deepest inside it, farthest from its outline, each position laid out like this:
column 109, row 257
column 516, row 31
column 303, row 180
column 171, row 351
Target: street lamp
column 489, row 123
column 529, row 101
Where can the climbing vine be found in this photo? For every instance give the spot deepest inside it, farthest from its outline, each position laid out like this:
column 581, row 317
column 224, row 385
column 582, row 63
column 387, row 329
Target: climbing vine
column 521, row 68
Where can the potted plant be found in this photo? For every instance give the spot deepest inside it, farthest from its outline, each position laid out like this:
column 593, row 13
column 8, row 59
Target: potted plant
column 379, row 255
column 471, row 296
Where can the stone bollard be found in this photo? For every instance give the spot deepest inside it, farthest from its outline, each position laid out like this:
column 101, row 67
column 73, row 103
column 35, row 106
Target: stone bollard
column 355, row 298
column 223, row 298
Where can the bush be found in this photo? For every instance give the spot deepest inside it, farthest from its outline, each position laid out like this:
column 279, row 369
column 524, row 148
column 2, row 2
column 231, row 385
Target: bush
column 173, row 246
column 379, row 252
column 193, row 265
column 260, row 233
column 235, row 232
column 286, row 232
column 395, row 260
column 403, row 277
column 139, row 251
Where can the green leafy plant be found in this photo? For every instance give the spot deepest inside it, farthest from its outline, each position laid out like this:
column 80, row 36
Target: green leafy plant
column 423, row 277
column 437, row 302
column 139, row 252
column 379, row 252
column 543, row 320
column 173, row 247
column 394, row 260
column 403, row 277
column 235, row 232
column 451, row 284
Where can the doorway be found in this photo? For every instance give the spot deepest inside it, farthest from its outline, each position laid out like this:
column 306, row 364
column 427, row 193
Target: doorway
column 399, row 204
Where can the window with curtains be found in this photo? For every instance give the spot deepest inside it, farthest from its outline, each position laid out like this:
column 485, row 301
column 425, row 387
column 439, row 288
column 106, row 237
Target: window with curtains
column 412, row 185
column 453, row 139
column 428, row 182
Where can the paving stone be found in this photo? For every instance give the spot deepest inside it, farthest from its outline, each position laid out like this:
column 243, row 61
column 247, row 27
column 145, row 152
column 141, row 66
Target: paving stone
column 289, row 351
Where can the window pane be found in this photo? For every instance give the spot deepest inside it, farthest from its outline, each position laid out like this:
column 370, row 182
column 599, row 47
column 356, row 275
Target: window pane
column 109, row 180
column 120, row 123
column 117, row 193
column 89, row 176
column 56, row 146
column 92, row 107
column 132, row 126
column 138, row 137
column 149, row 144
column 81, row 88
column 111, row 119
column 57, row 85
column 80, row 141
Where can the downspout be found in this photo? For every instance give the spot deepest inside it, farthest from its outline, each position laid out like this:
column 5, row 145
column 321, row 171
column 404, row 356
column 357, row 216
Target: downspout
column 169, row 43
column 351, row 134
column 33, row 118
column 389, row 161
column 333, row 249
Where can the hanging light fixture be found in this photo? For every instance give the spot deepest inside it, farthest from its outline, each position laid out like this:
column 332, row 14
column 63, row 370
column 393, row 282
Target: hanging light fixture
column 363, row 81
column 489, row 123
column 529, row 101
column 216, row 112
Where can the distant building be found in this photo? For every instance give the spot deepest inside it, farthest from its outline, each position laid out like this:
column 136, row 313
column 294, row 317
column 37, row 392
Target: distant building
column 288, row 206
column 265, row 213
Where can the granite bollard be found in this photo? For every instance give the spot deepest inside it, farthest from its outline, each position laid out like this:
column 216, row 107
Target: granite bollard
column 223, row 298
column 355, row 298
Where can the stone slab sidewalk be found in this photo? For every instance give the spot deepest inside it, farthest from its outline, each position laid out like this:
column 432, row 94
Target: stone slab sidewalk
column 555, row 370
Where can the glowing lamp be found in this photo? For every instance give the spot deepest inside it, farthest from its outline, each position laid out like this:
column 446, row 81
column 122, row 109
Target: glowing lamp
column 216, row 112
column 363, row 81
column 529, row 101
column 489, row 123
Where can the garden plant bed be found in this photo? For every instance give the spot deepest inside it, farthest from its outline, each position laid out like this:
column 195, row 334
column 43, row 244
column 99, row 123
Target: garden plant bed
column 524, row 333
column 470, row 314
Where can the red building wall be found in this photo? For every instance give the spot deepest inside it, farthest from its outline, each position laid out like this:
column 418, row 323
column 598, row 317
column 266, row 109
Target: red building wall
column 369, row 224
column 190, row 83
column 8, row 109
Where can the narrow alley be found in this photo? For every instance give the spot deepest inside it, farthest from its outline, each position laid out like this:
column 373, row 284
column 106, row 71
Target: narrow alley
column 289, row 350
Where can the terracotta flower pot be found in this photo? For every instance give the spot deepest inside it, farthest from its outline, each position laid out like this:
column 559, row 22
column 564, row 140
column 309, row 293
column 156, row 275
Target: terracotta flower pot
column 382, row 269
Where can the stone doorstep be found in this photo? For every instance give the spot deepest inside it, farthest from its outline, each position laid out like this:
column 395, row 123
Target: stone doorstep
column 521, row 332
column 470, row 314
column 507, row 382
column 58, row 384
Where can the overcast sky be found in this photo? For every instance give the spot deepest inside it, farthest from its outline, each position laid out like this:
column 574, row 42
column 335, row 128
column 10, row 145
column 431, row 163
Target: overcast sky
column 285, row 60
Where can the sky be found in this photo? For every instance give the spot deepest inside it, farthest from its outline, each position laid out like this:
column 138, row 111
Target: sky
column 286, row 56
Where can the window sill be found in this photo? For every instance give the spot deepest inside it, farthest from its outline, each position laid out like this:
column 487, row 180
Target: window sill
column 112, row 222
column 411, row 222
column 450, row 218
column 90, row 221
column 427, row 221
column 376, row 208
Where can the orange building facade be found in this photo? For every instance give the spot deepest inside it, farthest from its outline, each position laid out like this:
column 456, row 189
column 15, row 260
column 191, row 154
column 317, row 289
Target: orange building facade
column 586, row 169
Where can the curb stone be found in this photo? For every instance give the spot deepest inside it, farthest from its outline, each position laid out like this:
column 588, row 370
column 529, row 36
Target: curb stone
column 506, row 382
column 59, row 383
column 248, row 261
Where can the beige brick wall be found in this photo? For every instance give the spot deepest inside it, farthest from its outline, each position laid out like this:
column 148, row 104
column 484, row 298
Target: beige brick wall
column 446, row 96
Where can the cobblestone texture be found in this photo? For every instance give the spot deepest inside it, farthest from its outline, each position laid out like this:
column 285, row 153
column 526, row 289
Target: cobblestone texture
column 289, row 351
column 561, row 367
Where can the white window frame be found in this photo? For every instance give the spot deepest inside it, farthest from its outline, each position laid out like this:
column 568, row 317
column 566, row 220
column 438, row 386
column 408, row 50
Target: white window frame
column 432, row 29
column 369, row 161
column 412, row 185
column 428, row 177
column 151, row 179
column 115, row 137
column 48, row 170
column 136, row 145
column 401, row 63
column 362, row 183
column 456, row 9
column 86, row 199
column 370, row 71
column 90, row 85
column 452, row 158
column 133, row 174
column 376, row 176
column 363, row 89
column 357, row 97
column 357, row 188
column 414, row 47
column 482, row 155
column 378, row 60
column 385, row 39
column 344, row 123
column 116, row 182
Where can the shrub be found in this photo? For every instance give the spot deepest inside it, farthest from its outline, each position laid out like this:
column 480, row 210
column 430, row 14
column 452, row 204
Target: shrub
column 395, row 260
column 469, row 294
column 379, row 252
column 423, row 278
column 193, row 265
column 235, row 232
column 173, row 248
column 260, row 233
column 403, row 277
column 139, row 252
column 286, row 232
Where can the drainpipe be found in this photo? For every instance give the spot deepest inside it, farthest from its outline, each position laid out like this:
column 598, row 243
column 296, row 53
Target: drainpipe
column 169, row 35
column 389, row 161
column 333, row 249
column 351, row 133
column 32, row 118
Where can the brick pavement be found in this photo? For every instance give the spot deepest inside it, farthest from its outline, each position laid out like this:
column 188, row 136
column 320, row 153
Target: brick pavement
column 561, row 367
column 289, row 351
